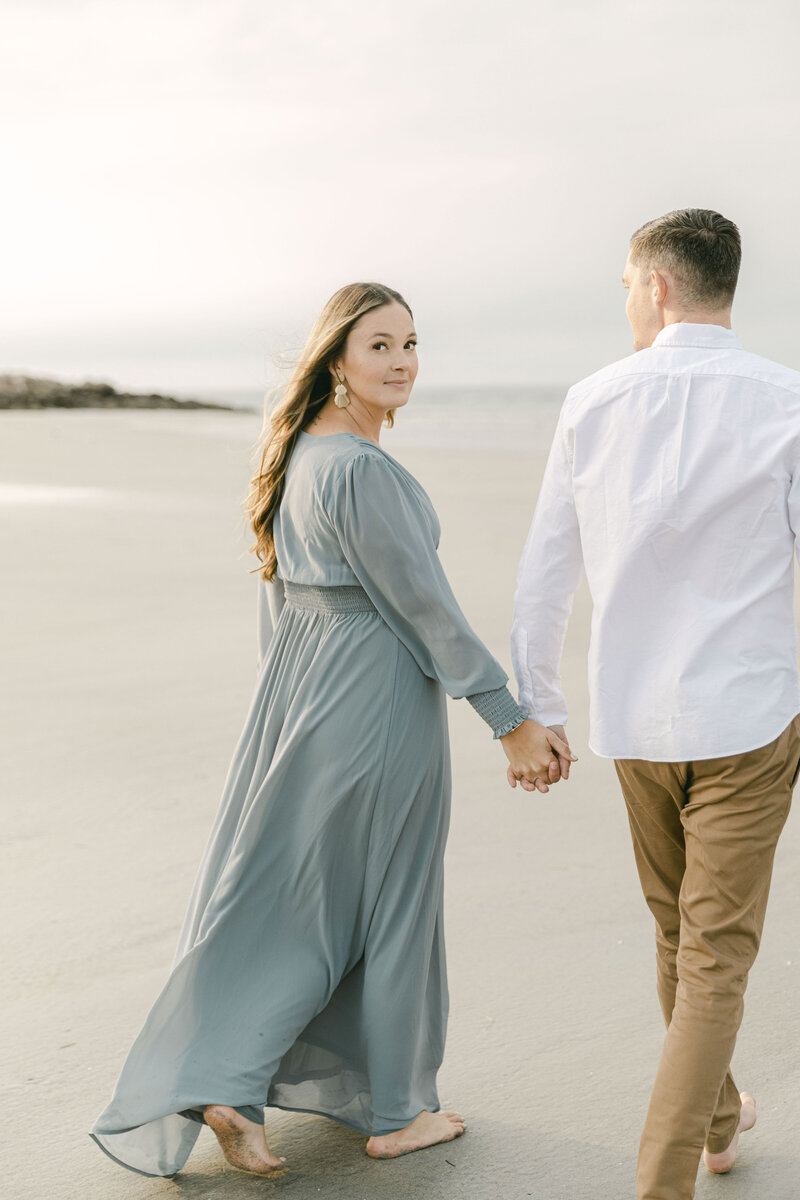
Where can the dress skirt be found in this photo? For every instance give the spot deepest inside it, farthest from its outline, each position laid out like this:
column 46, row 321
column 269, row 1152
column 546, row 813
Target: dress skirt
column 310, row 972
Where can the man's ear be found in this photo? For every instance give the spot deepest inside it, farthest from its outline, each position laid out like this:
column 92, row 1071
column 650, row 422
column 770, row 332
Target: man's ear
column 659, row 287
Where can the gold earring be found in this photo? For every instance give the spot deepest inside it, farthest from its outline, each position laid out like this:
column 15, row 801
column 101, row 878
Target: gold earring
column 340, row 396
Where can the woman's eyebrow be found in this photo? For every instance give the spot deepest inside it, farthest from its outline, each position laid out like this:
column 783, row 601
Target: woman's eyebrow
column 389, row 335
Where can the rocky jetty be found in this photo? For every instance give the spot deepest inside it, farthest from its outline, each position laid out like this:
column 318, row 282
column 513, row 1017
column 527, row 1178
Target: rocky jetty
column 23, row 391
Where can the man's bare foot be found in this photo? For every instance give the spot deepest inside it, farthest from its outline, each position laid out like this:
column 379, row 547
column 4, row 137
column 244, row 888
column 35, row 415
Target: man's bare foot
column 721, row 1163
column 243, row 1142
column 425, row 1130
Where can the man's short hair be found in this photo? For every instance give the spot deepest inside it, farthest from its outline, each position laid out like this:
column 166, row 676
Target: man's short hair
column 701, row 248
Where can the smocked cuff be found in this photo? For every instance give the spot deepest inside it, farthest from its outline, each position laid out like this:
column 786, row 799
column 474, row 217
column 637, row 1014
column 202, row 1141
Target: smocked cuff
column 499, row 709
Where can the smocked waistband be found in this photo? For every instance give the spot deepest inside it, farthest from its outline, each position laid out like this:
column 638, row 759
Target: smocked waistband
column 349, row 598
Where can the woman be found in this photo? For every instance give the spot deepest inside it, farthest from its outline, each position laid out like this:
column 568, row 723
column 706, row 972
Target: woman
column 310, row 973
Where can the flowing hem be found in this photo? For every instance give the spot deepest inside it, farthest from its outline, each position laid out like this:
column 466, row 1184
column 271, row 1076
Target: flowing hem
column 127, row 1166
column 311, row 1112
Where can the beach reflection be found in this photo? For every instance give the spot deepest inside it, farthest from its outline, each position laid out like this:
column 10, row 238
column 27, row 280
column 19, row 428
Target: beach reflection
column 25, row 493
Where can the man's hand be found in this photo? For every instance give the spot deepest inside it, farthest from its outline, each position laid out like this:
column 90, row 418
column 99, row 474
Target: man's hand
column 563, row 763
column 536, row 755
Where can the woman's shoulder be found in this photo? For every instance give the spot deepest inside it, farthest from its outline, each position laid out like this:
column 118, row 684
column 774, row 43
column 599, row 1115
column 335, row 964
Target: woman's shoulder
column 343, row 464
column 367, row 475
column 343, row 457
column 338, row 465
column 323, row 456
column 333, row 450
column 324, row 465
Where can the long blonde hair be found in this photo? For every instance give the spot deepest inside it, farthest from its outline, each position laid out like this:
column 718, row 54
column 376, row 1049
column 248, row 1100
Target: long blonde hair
column 308, row 389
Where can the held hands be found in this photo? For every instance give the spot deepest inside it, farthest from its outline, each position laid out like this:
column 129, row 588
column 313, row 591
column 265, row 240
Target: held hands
column 538, row 756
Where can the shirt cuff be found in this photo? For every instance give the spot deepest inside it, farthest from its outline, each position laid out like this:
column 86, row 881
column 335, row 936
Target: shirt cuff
column 499, row 709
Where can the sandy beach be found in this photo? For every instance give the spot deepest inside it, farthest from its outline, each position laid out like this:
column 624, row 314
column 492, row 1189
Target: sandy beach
column 127, row 643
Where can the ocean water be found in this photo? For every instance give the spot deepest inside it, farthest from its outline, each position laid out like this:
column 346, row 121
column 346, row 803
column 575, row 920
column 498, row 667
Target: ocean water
column 501, row 418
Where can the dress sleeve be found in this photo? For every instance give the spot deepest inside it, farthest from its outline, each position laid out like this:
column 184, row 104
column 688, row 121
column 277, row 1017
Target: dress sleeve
column 387, row 539
column 270, row 604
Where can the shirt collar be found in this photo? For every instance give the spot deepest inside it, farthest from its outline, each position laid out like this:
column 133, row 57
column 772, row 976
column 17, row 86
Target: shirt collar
column 681, row 333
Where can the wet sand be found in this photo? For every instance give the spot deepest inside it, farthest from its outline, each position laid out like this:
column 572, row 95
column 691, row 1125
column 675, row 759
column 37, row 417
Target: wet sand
column 127, row 648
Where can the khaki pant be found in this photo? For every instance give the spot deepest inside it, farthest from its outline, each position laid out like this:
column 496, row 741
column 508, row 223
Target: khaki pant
column 704, row 836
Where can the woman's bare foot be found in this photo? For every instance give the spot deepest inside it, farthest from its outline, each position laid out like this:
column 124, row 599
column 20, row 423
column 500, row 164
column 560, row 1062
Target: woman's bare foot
column 721, row 1163
column 243, row 1142
column 425, row 1130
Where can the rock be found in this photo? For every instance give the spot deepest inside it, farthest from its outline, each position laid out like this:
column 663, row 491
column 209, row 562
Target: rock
column 25, row 391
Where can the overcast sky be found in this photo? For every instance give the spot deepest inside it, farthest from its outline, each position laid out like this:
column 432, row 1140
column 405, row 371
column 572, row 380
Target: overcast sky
column 188, row 180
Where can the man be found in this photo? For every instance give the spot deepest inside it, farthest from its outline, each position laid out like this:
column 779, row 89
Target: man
column 674, row 480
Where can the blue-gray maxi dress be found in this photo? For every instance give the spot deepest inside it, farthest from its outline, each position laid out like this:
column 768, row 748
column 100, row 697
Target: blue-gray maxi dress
column 310, row 972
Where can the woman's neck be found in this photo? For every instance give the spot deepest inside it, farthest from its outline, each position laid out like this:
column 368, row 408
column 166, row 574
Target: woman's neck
column 355, row 418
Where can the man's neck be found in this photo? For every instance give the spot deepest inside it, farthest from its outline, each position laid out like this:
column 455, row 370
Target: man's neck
column 698, row 316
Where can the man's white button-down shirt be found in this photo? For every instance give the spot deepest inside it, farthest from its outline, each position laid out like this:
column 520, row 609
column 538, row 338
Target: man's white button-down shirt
column 674, row 481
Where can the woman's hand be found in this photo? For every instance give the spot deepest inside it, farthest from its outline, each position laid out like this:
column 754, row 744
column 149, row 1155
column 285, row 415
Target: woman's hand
column 538, row 756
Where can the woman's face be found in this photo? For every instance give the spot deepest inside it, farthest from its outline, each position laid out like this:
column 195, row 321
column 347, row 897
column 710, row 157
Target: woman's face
column 379, row 363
